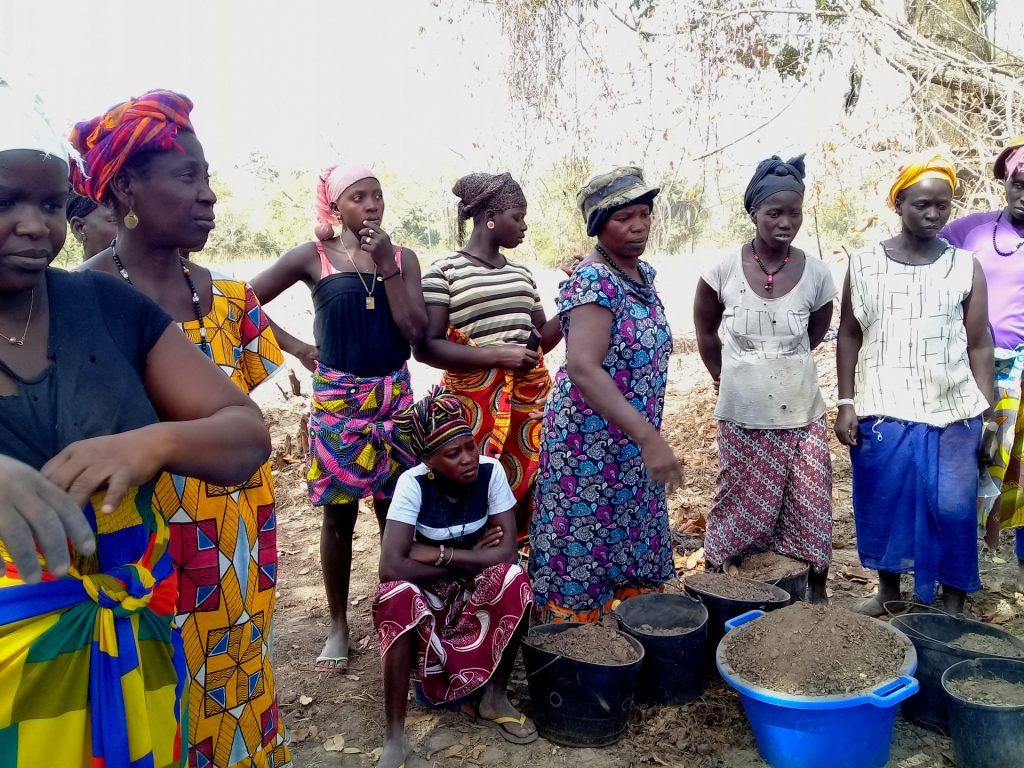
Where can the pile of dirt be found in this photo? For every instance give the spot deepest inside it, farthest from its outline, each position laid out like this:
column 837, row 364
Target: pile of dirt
column 593, row 643
column 647, row 629
column 994, row 646
column 730, row 587
column 770, row 566
column 983, row 689
column 814, row 650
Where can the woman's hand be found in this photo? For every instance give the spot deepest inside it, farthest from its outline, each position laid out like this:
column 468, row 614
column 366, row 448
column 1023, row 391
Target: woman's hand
column 492, row 538
column 35, row 512
column 376, row 242
column 662, row 465
column 114, row 462
column 847, row 425
column 308, row 355
column 515, row 357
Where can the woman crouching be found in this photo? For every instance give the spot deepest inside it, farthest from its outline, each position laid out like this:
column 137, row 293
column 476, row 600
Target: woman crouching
column 451, row 596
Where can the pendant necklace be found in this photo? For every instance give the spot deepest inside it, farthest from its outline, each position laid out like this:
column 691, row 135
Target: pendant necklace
column 16, row 341
column 196, row 306
column 995, row 247
column 371, row 303
column 770, row 276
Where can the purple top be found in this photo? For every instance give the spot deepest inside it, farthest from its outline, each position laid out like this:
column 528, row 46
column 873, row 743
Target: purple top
column 1004, row 274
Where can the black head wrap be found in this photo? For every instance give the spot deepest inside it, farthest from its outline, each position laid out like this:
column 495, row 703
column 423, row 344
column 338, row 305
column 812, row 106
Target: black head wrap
column 483, row 193
column 80, row 206
column 606, row 193
column 773, row 175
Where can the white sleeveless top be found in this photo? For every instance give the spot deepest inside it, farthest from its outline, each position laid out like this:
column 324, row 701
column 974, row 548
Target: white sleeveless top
column 913, row 363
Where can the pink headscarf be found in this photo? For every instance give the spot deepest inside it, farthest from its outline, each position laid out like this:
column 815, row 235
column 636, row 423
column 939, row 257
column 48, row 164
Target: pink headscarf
column 332, row 181
column 1014, row 161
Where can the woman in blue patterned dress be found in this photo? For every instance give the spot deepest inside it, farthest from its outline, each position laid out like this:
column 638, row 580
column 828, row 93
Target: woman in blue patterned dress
column 600, row 528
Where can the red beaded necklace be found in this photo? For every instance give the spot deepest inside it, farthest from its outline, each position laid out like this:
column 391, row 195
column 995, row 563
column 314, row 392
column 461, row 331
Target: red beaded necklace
column 770, row 282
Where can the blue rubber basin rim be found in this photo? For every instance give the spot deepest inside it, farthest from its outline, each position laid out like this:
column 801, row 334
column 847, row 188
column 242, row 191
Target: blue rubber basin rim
column 888, row 693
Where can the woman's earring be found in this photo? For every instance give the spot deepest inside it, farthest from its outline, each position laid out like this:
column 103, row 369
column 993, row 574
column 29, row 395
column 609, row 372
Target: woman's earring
column 490, row 225
column 131, row 220
column 430, row 474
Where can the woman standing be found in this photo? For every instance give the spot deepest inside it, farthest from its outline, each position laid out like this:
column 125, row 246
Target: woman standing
column 914, row 357
column 774, row 489
column 97, row 398
column 487, row 331
column 600, row 531
column 368, row 313
column 996, row 238
column 145, row 162
column 92, row 225
column 451, row 607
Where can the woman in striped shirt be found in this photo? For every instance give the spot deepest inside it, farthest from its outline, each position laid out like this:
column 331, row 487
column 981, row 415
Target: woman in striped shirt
column 486, row 329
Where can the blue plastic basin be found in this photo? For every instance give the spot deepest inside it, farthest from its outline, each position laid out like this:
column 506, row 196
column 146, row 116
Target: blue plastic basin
column 852, row 730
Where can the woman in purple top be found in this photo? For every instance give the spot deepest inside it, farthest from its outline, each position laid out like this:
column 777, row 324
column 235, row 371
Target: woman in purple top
column 997, row 240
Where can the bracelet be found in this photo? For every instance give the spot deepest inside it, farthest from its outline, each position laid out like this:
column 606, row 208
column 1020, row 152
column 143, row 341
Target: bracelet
column 440, row 556
column 393, row 274
column 451, row 555
column 844, row 401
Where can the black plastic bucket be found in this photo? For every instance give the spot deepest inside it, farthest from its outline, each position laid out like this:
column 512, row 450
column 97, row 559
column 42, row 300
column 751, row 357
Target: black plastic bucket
column 579, row 703
column 985, row 735
column 673, row 671
column 722, row 609
column 932, row 634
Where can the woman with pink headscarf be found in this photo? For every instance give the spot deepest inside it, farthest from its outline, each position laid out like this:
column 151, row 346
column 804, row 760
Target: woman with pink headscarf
column 368, row 314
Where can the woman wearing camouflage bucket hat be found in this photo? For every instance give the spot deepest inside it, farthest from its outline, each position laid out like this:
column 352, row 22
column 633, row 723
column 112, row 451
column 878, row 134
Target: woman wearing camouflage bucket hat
column 600, row 529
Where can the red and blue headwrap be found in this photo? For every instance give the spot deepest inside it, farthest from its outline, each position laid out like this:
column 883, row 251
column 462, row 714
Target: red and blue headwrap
column 107, row 142
column 432, row 422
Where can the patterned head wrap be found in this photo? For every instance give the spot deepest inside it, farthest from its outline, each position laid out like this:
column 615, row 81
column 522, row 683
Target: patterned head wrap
column 433, row 422
column 25, row 125
column 1010, row 160
column 483, row 193
column 606, row 193
column 331, row 182
column 927, row 165
column 107, row 142
column 772, row 176
column 79, row 206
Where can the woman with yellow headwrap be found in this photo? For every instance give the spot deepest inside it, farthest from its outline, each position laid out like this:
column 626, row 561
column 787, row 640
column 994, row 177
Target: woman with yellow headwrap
column 997, row 240
column 914, row 359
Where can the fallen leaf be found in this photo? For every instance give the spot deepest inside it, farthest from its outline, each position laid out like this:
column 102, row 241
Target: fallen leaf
column 304, row 571
column 377, row 753
column 657, row 758
column 305, row 700
column 335, row 743
column 455, row 750
column 358, row 600
column 352, row 751
column 314, row 732
column 299, row 735
column 418, row 717
column 363, row 643
column 353, row 678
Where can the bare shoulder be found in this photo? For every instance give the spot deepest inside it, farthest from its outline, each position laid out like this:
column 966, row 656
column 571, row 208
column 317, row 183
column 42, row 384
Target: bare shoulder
column 101, row 262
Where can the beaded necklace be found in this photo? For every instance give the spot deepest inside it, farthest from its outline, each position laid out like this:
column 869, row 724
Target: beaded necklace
column 995, row 247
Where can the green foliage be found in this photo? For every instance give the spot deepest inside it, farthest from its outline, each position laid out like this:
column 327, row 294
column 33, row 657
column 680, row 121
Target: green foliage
column 557, row 230
column 679, row 217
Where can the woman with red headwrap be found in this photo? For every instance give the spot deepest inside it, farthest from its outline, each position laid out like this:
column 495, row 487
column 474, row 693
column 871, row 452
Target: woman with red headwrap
column 368, row 313
column 144, row 161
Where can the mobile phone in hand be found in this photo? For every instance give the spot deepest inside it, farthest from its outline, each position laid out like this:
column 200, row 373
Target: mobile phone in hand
column 533, row 343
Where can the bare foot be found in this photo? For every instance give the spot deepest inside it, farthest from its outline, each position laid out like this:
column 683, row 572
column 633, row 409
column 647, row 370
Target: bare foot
column 396, row 751
column 334, row 656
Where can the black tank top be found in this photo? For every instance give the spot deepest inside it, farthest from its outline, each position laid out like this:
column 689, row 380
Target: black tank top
column 351, row 338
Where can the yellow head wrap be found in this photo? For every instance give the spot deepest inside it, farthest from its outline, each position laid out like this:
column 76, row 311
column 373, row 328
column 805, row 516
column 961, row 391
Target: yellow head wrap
column 929, row 165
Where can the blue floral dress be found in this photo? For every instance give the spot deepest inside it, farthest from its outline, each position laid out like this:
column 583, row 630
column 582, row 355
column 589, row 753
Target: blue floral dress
column 600, row 529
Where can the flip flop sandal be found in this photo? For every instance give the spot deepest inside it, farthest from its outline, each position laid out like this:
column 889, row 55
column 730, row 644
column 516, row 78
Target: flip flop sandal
column 334, row 664
column 499, row 724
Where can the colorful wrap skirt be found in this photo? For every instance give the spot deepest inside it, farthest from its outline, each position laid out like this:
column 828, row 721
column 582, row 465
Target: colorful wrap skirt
column 915, row 490
column 91, row 673
column 1002, row 494
column 773, row 493
column 504, row 409
column 463, row 626
column 354, row 449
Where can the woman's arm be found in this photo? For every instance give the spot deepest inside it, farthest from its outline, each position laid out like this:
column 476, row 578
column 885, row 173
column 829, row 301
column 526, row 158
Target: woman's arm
column 405, row 296
column 294, row 267
column 438, row 352
column 847, row 350
column 585, row 352
column 980, row 349
column 818, row 323
column 550, row 330
column 707, row 318
column 305, row 353
column 209, row 429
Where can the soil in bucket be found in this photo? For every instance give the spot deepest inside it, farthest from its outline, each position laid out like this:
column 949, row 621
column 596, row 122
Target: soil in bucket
column 942, row 641
column 985, row 698
column 673, row 631
column 584, row 701
column 815, row 650
column 731, row 587
column 588, row 642
column 770, row 567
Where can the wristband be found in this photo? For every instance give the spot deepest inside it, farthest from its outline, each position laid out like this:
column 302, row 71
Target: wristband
column 844, row 401
column 451, row 555
column 440, row 556
column 393, row 274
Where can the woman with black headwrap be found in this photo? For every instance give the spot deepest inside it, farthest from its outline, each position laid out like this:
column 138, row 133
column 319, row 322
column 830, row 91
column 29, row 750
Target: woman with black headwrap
column 759, row 313
column 92, row 224
column 487, row 330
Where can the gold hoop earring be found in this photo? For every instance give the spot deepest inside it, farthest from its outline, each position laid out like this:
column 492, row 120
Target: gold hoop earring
column 131, row 220
column 430, row 474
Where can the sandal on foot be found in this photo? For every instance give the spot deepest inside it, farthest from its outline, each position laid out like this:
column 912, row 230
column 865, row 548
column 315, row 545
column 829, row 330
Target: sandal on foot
column 338, row 664
column 499, row 724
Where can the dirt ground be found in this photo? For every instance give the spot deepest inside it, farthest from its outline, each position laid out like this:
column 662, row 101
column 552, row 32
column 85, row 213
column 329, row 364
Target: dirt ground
column 337, row 720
